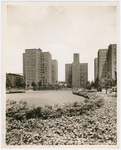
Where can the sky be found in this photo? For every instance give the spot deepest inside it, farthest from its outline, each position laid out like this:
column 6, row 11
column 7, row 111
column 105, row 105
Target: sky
column 61, row 30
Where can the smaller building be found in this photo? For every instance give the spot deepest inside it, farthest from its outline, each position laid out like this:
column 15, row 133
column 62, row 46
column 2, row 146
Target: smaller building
column 13, row 78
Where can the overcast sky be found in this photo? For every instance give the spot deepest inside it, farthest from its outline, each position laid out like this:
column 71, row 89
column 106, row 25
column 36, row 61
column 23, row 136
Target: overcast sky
column 62, row 30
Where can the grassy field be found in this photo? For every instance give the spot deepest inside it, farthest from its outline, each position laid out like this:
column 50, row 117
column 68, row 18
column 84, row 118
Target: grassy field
column 40, row 98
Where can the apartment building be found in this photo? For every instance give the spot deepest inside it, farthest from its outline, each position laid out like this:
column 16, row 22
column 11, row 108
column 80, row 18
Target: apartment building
column 54, row 72
column 68, row 74
column 102, row 63
column 76, row 71
column 76, row 74
column 37, row 66
column 106, row 62
column 83, row 74
column 13, row 78
column 112, row 60
column 46, row 68
column 32, row 66
column 95, row 68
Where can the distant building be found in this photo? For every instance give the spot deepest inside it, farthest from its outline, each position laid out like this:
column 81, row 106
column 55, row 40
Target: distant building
column 46, row 68
column 107, row 62
column 76, row 71
column 54, row 72
column 95, row 68
column 102, row 63
column 83, row 74
column 68, row 74
column 76, row 74
column 13, row 78
column 112, row 60
column 24, row 65
column 32, row 66
column 76, row 58
column 37, row 66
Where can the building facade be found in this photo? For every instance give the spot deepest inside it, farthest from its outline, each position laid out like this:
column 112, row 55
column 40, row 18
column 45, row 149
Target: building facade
column 83, row 74
column 32, row 66
column 76, row 74
column 102, row 63
column 76, row 71
column 37, row 66
column 111, row 60
column 95, row 68
column 54, row 72
column 13, row 78
column 68, row 75
column 46, row 68
column 106, row 62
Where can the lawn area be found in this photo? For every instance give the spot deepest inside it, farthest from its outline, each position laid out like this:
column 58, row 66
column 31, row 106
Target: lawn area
column 40, row 98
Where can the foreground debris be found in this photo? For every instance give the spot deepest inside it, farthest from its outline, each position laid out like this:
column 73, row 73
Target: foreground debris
column 92, row 123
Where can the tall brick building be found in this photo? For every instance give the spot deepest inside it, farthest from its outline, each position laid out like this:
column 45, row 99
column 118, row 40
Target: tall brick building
column 102, row 63
column 83, row 74
column 107, row 62
column 112, row 60
column 68, row 74
column 37, row 66
column 95, row 68
column 76, row 74
column 54, row 72
column 76, row 71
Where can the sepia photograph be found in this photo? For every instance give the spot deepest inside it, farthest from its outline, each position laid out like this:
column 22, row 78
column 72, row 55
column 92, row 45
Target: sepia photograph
column 60, row 71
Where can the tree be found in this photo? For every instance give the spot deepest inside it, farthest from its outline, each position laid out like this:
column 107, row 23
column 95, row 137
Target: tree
column 8, row 82
column 27, row 85
column 88, row 85
column 56, row 85
column 19, row 82
column 40, row 84
column 98, row 84
column 107, row 82
column 23, row 84
column 92, row 84
column 33, row 85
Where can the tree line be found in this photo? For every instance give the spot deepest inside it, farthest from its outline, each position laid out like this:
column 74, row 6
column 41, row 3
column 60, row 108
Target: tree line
column 106, row 83
column 20, row 83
